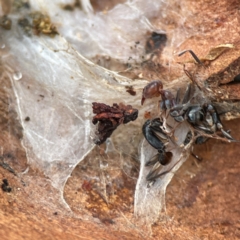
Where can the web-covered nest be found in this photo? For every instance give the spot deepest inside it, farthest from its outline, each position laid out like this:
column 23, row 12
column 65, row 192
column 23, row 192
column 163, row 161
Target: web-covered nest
column 55, row 85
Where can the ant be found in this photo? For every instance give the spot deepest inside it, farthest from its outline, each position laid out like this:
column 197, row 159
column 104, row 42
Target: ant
column 200, row 114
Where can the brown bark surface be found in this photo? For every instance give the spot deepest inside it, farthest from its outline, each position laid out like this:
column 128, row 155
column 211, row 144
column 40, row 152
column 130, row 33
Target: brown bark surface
column 203, row 198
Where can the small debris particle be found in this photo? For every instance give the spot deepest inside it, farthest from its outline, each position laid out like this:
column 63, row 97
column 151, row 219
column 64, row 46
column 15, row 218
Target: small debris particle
column 131, row 91
column 140, row 75
column 147, row 115
column 107, row 221
column 6, row 22
column 68, row 7
column 156, row 41
column 19, row 4
column 109, row 118
column 87, row 185
column 25, row 24
column 42, row 24
column 5, row 186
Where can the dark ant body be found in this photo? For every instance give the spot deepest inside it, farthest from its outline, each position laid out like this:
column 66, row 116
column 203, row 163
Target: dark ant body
column 157, row 139
column 195, row 109
column 202, row 117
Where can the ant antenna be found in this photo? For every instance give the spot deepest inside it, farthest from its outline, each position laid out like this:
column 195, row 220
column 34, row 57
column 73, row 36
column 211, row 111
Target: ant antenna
column 191, row 77
column 193, row 55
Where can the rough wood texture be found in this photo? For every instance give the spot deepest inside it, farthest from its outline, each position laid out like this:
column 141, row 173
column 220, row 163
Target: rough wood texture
column 202, row 200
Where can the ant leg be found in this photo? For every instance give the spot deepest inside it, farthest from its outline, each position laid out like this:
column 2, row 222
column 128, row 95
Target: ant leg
column 217, row 121
column 174, row 128
column 178, row 112
column 178, row 116
column 187, row 94
column 196, row 159
column 152, row 175
column 177, row 99
column 175, row 102
column 184, row 69
column 225, row 133
column 191, row 77
column 196, row 156
column 193, row 55
column 152, row 161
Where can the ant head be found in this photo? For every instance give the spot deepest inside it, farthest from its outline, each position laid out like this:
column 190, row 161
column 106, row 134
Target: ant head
column 153, row 89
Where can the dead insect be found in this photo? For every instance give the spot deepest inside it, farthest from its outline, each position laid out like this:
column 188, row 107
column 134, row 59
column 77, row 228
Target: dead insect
column 196, row 109
column 200, row 113
column 203, row 117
